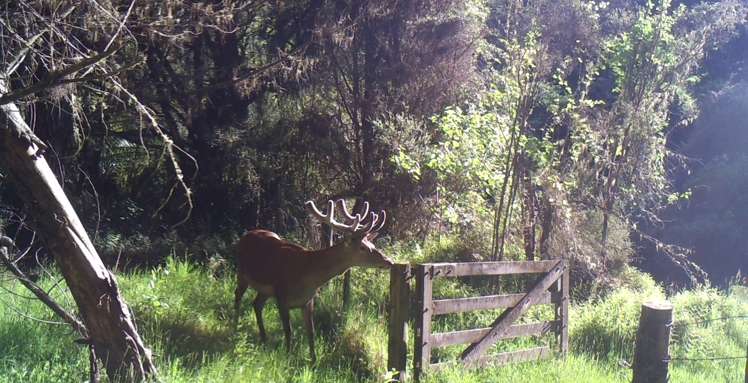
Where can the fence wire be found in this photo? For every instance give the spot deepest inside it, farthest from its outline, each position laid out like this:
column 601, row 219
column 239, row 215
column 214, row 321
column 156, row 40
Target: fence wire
column 704, row 321
column 700, row 322
column 706, row 359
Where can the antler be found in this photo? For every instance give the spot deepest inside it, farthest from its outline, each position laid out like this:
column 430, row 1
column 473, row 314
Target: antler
column 374, row 225
column 349, row 215
column 329, row 218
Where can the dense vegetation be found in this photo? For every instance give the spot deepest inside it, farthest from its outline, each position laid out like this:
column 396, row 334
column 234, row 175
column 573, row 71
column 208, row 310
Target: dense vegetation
column 184, row 310
column 532, row 130
column 605, row 132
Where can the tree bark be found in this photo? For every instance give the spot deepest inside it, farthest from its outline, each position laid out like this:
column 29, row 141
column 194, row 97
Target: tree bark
column 529, row 212
column 545, row 229
column 604, row 233
column 104, row 312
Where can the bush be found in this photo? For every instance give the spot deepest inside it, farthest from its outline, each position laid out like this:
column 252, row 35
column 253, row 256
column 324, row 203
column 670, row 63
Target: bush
column 123, row 252
column 606, row 327
column 709, row 323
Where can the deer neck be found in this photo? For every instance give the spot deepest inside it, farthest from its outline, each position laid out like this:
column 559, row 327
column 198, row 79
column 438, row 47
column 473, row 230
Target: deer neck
column 327, row 263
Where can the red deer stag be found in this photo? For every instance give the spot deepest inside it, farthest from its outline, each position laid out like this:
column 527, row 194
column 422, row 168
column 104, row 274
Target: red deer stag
column 291, row 274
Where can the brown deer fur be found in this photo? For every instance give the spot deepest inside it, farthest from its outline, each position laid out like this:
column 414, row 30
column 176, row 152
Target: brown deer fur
column 291, row 274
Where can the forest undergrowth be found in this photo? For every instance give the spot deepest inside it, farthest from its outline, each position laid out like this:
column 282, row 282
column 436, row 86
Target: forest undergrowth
column 184, row 312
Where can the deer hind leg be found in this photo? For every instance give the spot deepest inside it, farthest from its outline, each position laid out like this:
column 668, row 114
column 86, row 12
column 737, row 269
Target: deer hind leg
column 309, row 324
column 259, row 304
column 241, row 287
column 283, row 311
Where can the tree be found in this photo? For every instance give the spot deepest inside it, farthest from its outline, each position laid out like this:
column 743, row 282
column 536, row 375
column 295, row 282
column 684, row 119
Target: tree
column 110, row 328
column 111, row 331
column 78, row 60
column 574, row 134
column 624, row 154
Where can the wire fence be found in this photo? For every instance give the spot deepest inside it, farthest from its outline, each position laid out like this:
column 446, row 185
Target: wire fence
column 704, row 321
column 677, row 324
column 706, row 359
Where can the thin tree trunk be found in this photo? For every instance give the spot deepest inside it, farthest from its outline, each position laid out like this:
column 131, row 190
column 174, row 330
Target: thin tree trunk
column 604, row 235
column 508, row 209
column 498, row 239
column 529, row 214
column 545, row 230
column 105, row 314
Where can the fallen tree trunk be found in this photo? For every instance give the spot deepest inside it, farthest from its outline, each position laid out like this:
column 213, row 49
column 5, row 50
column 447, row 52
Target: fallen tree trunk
column 111, row 329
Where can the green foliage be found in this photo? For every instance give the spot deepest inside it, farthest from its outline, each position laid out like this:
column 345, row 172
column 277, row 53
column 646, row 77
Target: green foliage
column 565, row 137
column 183, row 312
column 710, row 322
column 35, row 351
column 595, row 161
column 606, row 329
column 468, row 159
column 455, row 116
column 559, row 370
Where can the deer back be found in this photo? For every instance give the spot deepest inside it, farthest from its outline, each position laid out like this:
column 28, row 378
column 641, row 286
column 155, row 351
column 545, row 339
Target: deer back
column 265, row 258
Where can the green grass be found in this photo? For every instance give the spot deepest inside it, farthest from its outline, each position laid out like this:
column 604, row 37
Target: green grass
column 183, row 312
column 33, row 351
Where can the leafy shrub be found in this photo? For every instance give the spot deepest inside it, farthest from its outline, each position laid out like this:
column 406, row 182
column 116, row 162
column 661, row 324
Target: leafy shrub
column 606, row 328
column 709, row 323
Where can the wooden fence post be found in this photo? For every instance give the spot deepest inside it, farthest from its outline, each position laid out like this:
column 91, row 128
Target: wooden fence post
column 397, row 342
column 422, row 343
column 651, row 356
column 562, row 312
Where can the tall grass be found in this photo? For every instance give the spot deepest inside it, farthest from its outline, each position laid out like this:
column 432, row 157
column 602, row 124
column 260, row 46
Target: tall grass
column 183, row 311
column 33, row 348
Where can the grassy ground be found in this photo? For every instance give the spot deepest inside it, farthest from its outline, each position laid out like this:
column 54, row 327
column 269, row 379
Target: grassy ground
column 183, row 312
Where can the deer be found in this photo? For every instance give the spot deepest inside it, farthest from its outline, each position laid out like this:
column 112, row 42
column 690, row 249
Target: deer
column 276, row 268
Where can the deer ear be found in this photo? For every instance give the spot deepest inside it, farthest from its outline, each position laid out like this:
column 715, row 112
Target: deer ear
column 371, row 236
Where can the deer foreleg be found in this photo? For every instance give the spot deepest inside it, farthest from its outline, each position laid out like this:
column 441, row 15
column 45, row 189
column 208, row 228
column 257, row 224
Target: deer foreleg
column 259, row 304
column 309, row 324
column 283, row 311
column 241, row 287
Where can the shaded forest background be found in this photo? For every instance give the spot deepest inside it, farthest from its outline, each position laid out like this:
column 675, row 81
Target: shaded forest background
column 610, row 132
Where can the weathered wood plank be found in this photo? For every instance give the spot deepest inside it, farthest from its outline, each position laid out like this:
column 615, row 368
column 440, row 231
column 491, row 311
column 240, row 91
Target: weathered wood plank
column 530, row 354
column 469, row 336
column 492, row 268
column 563, row 313
column 501, row 324
column 397, row 342
column 459, row 305
column 422, row 344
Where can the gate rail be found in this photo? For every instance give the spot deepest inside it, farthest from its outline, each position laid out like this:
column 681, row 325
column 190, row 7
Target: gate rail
column 551, row 288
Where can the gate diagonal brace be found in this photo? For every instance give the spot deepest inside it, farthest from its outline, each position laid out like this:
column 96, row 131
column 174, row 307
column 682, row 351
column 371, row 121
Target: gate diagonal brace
column 501, row 325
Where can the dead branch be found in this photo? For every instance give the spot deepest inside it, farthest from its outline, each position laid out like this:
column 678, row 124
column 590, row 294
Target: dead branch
column 5, row 244
column 56, row 78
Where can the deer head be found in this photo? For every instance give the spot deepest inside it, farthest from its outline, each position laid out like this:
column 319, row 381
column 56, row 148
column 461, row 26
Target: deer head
column 363, row 228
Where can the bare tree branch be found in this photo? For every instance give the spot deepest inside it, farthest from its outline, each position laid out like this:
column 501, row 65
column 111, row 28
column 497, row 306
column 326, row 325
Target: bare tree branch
column 56, row 78
column 6, row 243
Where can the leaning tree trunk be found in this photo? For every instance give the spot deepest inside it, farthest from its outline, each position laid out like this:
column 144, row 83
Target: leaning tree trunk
column 111, row 329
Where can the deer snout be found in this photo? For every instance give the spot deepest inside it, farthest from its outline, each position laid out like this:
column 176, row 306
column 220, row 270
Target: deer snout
column 376, row 259
column 387, row 262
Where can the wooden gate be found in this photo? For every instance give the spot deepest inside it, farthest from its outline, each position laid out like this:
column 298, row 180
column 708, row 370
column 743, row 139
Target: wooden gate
column 551, row 288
